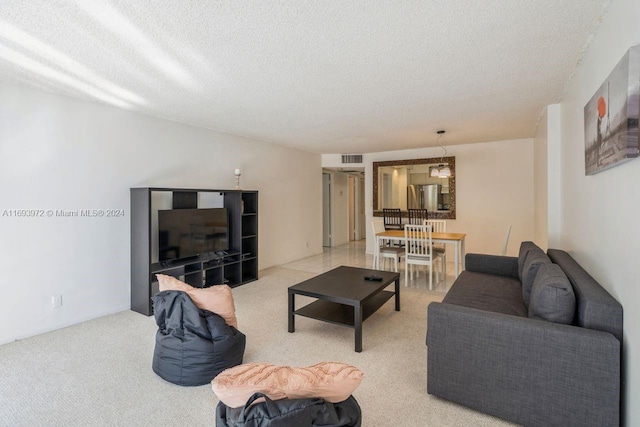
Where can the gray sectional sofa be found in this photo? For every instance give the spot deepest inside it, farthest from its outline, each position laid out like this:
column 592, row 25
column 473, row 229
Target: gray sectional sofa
column 532, row 339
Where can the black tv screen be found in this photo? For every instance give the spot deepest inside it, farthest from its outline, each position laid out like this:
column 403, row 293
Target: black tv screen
column 187, row 233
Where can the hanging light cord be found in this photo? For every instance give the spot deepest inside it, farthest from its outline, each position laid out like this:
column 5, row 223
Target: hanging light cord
column 444, row 150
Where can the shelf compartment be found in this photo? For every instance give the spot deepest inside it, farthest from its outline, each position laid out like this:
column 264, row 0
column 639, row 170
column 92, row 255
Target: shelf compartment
column 193, row 268
column 341, row 314
column 249, row 269
column 192, row 277
column 250, row 246
column 249, row 225
column 195, row 279
column 169, row 271
column 214, row 276
column 250, row 202
column 233, row 274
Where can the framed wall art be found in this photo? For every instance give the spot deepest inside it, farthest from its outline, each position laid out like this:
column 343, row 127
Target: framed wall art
column 611, row 117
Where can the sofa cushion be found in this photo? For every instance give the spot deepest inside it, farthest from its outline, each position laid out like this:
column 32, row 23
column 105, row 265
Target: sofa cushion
column 552, row 296
column 522, row 256
column 492, row 264
column 535, row 258
column 595, row 307
column 332, row 381
column 488, row 292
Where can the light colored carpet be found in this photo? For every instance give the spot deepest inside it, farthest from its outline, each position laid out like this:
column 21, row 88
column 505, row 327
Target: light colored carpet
column 99, row 372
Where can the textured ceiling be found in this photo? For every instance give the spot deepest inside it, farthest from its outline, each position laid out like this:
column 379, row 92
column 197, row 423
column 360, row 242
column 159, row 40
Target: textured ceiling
column 329, row 76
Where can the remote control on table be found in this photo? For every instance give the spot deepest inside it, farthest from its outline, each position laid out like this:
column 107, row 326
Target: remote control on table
column 373, row 278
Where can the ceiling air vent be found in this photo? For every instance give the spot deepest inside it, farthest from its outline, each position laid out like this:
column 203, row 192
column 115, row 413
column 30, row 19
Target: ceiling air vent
column 352, row 158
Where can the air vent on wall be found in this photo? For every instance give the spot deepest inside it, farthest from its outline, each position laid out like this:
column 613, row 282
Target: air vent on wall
column 352, row 158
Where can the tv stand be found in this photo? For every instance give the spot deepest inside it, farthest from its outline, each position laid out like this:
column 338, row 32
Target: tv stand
column 235, row 267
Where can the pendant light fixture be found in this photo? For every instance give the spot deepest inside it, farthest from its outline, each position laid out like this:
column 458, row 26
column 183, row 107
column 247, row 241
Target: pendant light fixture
column 442, row 171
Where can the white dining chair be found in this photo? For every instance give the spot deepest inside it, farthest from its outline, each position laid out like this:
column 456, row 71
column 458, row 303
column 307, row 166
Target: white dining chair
column 419, row 251
column 438, row 226
column 384, row 251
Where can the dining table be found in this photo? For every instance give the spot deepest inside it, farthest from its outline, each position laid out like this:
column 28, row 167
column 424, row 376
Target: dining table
column 455, row 239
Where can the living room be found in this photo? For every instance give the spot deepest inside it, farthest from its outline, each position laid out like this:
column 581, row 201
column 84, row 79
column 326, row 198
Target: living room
column 65, row 150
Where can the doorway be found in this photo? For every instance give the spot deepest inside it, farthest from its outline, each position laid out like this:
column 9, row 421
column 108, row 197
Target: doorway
column 343, row 208
column 355, row 189
column 326, row 209
column 352, row 208
column 362, row 227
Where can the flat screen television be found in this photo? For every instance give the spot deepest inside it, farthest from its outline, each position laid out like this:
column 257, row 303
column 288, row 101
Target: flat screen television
column 186, row 233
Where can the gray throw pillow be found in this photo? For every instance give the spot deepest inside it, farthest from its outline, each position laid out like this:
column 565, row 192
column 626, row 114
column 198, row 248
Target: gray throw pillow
column 524, row 250
column 535, row 258
column 552, row 296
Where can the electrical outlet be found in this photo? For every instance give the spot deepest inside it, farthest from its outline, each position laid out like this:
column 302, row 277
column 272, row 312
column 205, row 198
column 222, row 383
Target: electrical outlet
column 56, row 301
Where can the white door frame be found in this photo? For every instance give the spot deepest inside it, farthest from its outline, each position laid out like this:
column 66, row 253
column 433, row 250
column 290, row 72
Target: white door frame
column 327, row 209
column 356, row 207
column 353, row 208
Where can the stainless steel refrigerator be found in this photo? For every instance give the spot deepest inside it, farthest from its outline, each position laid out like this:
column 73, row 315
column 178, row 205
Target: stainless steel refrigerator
column 423, row 196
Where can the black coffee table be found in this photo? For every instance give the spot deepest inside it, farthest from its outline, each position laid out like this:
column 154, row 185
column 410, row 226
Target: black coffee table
column 344, row 297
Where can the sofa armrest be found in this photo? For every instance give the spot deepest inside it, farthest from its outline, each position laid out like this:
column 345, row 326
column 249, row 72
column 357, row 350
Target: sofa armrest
column 524, row 370
column 492, row 264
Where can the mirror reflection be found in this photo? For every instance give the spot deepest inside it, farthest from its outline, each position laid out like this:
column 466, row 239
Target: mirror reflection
column 416, row 183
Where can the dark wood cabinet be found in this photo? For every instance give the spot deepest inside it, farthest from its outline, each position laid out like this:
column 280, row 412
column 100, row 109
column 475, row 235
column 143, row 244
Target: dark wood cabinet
column 238, row 267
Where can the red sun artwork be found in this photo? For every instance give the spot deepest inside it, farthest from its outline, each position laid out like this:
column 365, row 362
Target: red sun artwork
column 602, row 107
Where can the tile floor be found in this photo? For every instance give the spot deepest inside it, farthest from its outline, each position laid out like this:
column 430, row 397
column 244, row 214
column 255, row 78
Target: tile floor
column 353, row 254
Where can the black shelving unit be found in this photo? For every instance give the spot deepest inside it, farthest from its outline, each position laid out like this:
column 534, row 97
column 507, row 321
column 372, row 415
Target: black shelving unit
column 249, row 244
column 240, row 266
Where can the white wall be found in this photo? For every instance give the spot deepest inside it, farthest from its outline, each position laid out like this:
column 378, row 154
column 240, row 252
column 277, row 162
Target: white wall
column 547, row 184
column 62, row 153
column 600, row 226
column 540, row 180
column 554, row 181
column 494, row 189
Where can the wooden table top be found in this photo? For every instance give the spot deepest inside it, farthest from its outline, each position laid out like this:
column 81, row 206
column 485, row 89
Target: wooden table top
column 399, row 234
column 344, row 285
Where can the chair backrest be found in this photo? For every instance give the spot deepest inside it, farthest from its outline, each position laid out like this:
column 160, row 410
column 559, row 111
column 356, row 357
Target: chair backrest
column 506, row 241
column 436, row 225
column 418, row 240
column 417, row 216
column 378, row 226
column 392, row 218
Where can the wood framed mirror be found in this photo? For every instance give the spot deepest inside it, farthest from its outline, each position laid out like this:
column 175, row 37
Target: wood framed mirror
column 413, row 183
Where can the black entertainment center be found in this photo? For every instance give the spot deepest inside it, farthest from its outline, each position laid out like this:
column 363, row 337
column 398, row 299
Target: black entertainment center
column 201, row 246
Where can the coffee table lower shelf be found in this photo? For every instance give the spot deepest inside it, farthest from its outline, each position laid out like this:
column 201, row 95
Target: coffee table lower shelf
column 344, row 297
column 342, row 314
